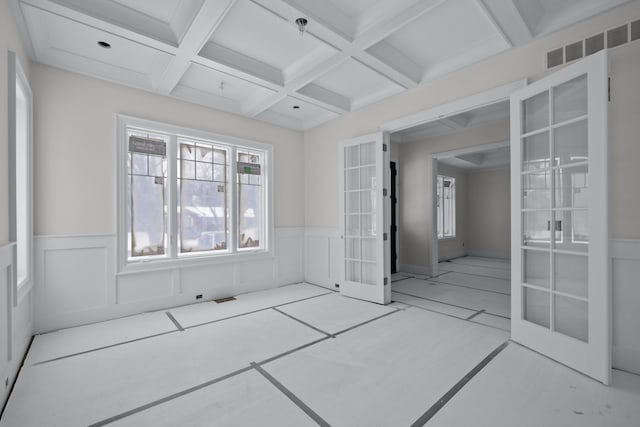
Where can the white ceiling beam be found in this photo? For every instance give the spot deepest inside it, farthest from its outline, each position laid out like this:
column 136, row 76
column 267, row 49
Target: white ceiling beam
column 199, row 32
column 325, row 14
column 382, row 54
column 455, row 123
column 331, row 27
column 474, row 159
column 329, row 100
column 240, row 62
column 507, row 20
column 254, row 107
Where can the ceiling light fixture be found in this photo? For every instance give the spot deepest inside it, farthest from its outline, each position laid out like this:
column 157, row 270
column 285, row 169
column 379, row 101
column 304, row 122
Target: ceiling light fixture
column 104, row 44
column 302, row 24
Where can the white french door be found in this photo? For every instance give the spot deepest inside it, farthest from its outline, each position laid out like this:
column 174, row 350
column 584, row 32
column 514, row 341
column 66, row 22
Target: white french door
column 560, row 287
column 364, row 211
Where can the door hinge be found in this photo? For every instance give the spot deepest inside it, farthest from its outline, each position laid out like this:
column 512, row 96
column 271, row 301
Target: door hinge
column 386, row 280
column 384, row 192
column 384, row 148
column 385, row 236
column 609, row 89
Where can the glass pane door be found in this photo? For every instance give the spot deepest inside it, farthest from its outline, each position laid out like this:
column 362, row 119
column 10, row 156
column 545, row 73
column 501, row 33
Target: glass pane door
column 364, row 218
column 560, row 285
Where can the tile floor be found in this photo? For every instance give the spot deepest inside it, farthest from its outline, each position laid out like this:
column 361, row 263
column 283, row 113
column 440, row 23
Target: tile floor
column 304, row 355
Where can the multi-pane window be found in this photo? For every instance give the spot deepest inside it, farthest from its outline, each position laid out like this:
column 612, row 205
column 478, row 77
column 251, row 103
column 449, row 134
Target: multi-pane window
column 189, row 195
column 146, row 194
column 250, row 191
column 202, row 183
column 446, row 206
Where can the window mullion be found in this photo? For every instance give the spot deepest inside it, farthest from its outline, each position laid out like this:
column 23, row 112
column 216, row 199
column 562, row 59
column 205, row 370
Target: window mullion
column 172, row 188
column 233, row 191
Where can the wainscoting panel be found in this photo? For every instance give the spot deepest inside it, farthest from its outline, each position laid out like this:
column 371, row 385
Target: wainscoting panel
column 215, row 281
column 322, row 252
column 290, row 249
column 145, row 286
column 77, row 282
column 6, row 261
column 76, row 278
column 626, row 298
column 15, row 322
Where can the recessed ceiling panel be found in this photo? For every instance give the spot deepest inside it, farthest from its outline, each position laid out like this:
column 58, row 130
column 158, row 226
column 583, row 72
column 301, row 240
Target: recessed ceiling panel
column 359, row 83
column 163, row 20
column 304, row 117
column 216, row 89
column 366, row 13
column 545, row 16
column 449, row 32
column 255, row 32
column 68, row 44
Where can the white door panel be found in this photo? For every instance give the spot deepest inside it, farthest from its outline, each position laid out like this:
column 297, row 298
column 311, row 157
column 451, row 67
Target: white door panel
column 364, row 211
column 560, row 264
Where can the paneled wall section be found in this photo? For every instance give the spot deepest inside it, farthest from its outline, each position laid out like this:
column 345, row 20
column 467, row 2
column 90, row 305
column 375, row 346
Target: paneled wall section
column 78, row 283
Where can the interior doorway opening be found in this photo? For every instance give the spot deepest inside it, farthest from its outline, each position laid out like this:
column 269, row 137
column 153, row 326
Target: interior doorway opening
column 453, row 211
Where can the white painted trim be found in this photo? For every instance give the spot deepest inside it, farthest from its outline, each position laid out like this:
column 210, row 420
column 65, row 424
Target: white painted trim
column 6, row 255
column 491, row 96
column 17, row 76
column 625, row 249
column 471, row 150
column 125, row 266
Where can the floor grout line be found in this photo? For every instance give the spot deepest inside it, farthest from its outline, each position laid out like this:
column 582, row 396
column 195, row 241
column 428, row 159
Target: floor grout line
column 289, row 394
column 424, row 418
column 475, row 314
column 170, row 332
column 453, row 316
column 478, row 275
column 80, row 353
column 293, row 350
column 446, row 303
column 304, row 323
column 466, row 286
column 175, row 322
column 256, row 311
column 367, row 322
column 169, row 398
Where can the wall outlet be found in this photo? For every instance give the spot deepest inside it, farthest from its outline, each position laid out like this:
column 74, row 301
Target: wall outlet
column 199, row 296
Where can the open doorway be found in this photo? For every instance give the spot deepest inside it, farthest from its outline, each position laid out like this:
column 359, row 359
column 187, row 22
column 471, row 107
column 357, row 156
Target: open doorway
column 453, row 214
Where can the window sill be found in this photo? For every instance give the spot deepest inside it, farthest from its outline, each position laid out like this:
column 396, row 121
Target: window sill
column 192, row 261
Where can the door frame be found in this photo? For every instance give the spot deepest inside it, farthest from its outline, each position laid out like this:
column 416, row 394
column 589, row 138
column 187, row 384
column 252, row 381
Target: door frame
column 461, row 105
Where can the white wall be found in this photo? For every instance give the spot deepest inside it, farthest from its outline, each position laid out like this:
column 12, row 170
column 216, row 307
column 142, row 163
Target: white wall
column 488, row 213
column 321, row 153
column 15, row 319
column 75, row 204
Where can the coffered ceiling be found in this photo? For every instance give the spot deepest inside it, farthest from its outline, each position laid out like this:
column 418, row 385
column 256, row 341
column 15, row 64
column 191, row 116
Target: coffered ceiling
column 248, row 56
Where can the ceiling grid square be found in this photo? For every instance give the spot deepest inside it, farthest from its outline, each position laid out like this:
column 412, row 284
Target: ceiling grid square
column 250, row 57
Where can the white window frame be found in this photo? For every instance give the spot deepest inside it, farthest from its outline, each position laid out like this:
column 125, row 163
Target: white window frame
column 20, row 177
column 452, row 209
column 173, row 258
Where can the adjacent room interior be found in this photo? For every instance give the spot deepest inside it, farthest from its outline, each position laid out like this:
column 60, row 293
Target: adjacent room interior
column 335, row 213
